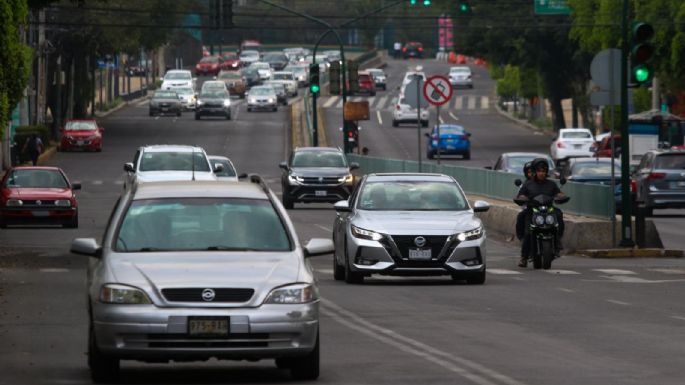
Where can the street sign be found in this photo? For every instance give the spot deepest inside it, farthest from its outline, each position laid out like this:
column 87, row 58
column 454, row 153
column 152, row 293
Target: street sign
column 605, row 71
column 437, row 90
column 411, row 90
column 551, row 7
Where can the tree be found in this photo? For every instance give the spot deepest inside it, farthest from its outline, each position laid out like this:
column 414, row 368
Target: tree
column 15, row 62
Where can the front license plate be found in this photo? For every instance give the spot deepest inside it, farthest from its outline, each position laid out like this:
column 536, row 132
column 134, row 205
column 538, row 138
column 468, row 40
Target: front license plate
column 420, row 254
column 165, row 109
column 320, row 193
column 40, row 213
column 79, row 143
column 208, row 326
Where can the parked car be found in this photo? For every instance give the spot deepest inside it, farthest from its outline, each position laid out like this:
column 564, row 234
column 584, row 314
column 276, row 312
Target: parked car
column 412, row 49
column 213, row 102
column 235, row 82
column 379, row 77
column 660, row 180
column 288, row 80
column 513, row 162
column 209, row 65
column 409, row 224
column 165, row 102
column 32, row 195
column 454, row 140
column 571, row 143
column 248, row 57
column 227, row 169
column 262, row 98
column 316, row 174
column 231, row 61
column 404, row 113
column 461, row 76
column 188, row 98
column 279, row 89
column 277, row 60
column 81, row 134
column 166, row 162
column 198, row 270
column 177, row 79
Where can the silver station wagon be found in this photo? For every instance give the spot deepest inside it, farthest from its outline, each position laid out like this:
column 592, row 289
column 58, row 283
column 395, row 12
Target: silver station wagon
column 195, row 270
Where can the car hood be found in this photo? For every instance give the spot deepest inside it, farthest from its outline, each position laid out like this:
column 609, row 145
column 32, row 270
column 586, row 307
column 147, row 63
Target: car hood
column 596, row 179
column 215, row 269
column 320, row 171
column 38, row 193
column 210, row 99
column 417, row 222
column 157, row 176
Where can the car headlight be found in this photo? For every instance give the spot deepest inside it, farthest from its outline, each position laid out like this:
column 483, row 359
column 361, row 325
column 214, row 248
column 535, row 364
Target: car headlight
column 294, row 179
column 539, row 220
column 550, row 219
column 346, row 179
column 200, row 102
column 293, row 294
column 358, row 232
column 470, row 235
column 234, row 65
column 14, row 203
column 227, row 103
column 122, row 294
column 270, row 100
column 63, row 203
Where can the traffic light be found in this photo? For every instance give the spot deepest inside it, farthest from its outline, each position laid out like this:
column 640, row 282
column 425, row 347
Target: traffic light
column 463, row 7
column 334, row 78
column 641, row 54
column 353, row 76
column 226, row 13
column 314, row 86
column 425, row 2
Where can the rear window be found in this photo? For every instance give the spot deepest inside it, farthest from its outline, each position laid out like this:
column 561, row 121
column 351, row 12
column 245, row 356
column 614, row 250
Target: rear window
column 174, row 161
column 576, row 135
column 670, row 162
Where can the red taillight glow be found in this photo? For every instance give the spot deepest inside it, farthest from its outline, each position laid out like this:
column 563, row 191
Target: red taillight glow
column 561, row 145
column 633, row 186
column 404, row 49
column 657, row 175
column 420, row 49
column 398, row 107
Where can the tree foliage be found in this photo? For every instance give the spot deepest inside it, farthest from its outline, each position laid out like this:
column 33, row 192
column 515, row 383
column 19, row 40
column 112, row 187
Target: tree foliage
column 15, row 61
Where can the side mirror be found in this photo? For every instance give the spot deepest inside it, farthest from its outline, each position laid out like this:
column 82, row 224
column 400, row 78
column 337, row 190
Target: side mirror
column 283, row 165
column 427, row 135
column 318, row 246
column 218, row 167
column 76, row 186
column 354, row 166
column 480, row 206
column 161, row 79
column 128, row 167
column 518, row 182
column 342, row 206
column 86, row 246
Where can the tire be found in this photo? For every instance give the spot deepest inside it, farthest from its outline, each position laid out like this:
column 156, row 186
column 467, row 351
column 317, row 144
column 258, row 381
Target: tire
column 352, row 277
column 430, row 154
column 73, row 224
column 249, row 109
column 537, row 255
column 476, row 278
column 338, row 271
column 467, row 155
column 288, row 201
column 546, row 254
column 424, row 123
column 228, row 116
column 395, row 123
column 306, row 367
column 197, row 116
column 179, row 113
column 103, row 368
column 151, row 113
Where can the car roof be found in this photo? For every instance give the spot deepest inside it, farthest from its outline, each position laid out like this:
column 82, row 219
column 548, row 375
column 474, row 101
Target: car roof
column 172, row 147
column 199, row 189
column 532, row 154
column 574, row 129
column 407, row 176
column 179, row 71
column 36, row 168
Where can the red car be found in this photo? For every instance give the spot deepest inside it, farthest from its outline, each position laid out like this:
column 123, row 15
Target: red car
column 209, row 65
column 31, row 195
column 367, row 84
column 231, row 62
column 81, row 134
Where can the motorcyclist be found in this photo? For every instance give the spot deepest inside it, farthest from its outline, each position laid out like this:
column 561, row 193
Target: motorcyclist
column 521, row 220
column 538, row 185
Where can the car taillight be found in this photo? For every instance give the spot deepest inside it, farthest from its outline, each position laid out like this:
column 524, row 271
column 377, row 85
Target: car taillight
column 633, row 186
column 656, row 175
column 404, row 49
column 398, row 107
column 464, row 137
column 561, row 145
column 420, row 49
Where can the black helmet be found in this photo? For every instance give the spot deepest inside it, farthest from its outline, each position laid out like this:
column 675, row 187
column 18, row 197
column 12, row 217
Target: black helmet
column 540, row 163
column 527, row 167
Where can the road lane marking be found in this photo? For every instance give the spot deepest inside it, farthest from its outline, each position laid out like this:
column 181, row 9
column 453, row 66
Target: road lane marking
column 485, row 102
column 441, row 121
column 471, row 103
column 330, row 101
column 466, row 368
column 97, row 182
column 565, row 290
column 54, row 270
column 380, row 120
column 324, row 228
column 381, row 102
column 503, row 272
column 119, row 182
column 453, row 117
column 668, row 271
column 615, row 271
column 325, row 271
column 678, row 317
column 617, row 302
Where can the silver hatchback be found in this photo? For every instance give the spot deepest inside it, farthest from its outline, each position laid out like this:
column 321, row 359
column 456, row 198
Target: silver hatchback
column 193, row 270
column 409, row 224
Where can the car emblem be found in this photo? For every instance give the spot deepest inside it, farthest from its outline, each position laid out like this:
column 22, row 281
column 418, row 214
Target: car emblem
column 39, row 203
column 208, row 295
column 420, row 241
column 320, row 179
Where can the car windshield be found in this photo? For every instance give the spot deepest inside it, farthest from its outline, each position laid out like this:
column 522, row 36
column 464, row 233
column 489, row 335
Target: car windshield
column 177, row 76
column 228, row 167
column 517, row 162
column 451, row 130
column 182, row 224
column 277, row 87
column 576, row 135
column 209, row 59
column 282, row 77
column 174, row 161
column 270, row 57
column 165, row 95
column 249, row 53
column 81, row 126
column 229, row 75
column 590, row 169
column 262, row 91
column 412, row 195
column 319, row 159
column 230, row 56
column 670, row 162
column 213, row 93
column 36, row 179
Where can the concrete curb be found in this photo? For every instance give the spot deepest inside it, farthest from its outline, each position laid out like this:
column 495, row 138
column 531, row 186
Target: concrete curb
column 120, row 106
column 632, row 253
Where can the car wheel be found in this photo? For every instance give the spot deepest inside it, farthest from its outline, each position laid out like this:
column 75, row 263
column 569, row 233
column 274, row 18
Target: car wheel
column 476, row 278
column 467, row 155
column 338, row 271
column 395, row 123
column 306, row 367
column 197, row 116
column 424, row 123
column 287, row 201
column 228, row 116
column 178, row 113
column 151, row 113
column 103, row 368
column 72, row 224
column 352, row 276
column 249, row 109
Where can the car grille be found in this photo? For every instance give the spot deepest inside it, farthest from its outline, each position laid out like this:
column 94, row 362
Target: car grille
column 234, row 340
column 213, row 105
column 320, row 180
column 40, row 203
column 195, row 295
column 398, row 246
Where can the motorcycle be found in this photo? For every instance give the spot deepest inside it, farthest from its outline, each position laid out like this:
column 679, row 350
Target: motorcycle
column 543, row 227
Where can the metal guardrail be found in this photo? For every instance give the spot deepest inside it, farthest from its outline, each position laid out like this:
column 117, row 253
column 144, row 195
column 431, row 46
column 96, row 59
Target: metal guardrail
column 586, row 199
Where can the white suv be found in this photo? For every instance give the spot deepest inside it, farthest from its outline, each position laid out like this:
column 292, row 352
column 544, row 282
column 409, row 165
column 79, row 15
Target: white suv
column 404, row 113
column 178, row 79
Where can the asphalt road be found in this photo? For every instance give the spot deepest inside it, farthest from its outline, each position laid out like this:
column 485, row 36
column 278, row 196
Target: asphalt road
column 585, row 322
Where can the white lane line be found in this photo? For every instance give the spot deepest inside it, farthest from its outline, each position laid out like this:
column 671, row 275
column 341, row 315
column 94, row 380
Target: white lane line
column 441, row 121
column 54, row 270
column 615, row 271
column 463, row 367
column 378, row 114
column 561, row 272
column 459, row 103
column 453, row 117
column 97, row 182
column 668, row 271
column 503, row 272
column 616, row 302
column 565, row 290
column 381, row 102
column 325, row 271
column 157, row 117
column 471, row 103
column 119, row 182
column 674, row 316
column 485, row 102
column 324, row 228
column 330, row 101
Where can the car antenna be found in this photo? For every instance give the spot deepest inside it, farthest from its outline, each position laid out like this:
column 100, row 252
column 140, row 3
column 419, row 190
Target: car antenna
column 192, row 157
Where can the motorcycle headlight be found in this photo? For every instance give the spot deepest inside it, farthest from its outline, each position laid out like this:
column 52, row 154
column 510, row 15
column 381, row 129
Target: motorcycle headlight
column 63, row 203
column 293, row 294
column 346, row 179
column 550, row 219
column 539, row 220
column 14, row 203
column 294, row 179
column 358, row 232
column 470, row 235
column 227, row 103
column 122, row 294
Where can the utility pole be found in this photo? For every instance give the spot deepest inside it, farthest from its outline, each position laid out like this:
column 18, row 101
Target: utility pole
column 626, row 209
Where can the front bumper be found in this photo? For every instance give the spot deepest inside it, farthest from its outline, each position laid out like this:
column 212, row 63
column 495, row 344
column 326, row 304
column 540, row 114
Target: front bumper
column 318, row 193
column 38, row 216
column 151, row 333
column 261, row 106
column 69, row 144
column 205, row 110
column 461, row 82
column 403, row 116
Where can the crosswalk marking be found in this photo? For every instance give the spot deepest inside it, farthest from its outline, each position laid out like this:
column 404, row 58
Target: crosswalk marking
column 615, row 271
column 54, row 270
column 387, row 102
column 381, row 100
column 485, row 103
column 329, row 102
column 471, row 103
column 503, row 272
column 561, row 272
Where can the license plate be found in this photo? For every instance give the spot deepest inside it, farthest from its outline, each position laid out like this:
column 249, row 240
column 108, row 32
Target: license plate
column 40, row 213
column 217, row 326
column 165, row 109
column 420, row 254
column 320, row 193
column 577, row 146
column 450, row 147
column 79, row 143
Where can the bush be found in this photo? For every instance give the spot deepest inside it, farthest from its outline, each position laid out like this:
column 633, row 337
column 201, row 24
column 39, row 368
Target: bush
column 108, row 106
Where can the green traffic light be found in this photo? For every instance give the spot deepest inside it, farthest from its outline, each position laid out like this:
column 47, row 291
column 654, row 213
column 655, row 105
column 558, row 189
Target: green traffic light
column 314, row 88
column 412, row 2
column 641, row 74
column 426, row 2
column 463, row 7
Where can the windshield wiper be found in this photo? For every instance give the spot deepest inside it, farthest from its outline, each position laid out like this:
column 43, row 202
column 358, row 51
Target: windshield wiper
column 146, row 249
column 229, row 248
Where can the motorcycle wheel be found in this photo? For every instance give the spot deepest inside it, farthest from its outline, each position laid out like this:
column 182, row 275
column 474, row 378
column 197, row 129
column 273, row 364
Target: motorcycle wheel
column 547, row 252
column 537, row 255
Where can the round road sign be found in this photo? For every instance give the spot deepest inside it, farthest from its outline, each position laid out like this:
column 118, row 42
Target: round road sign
column 437, row 90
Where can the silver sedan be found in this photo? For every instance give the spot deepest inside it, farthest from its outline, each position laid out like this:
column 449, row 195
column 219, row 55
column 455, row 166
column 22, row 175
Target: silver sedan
column 197, row 270
column 409, row 224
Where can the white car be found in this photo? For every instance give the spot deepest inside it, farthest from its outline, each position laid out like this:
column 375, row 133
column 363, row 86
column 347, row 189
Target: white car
column 228, row 172
column 262, row 98
column 461, row 76
column 409, row 75
column 287, row 79
column 178, row 79
column 165, row 162
column 572, row 143
column 188, row 98
column 300, row 73
column 249, row 57
column 264, row 70
column 404, row 113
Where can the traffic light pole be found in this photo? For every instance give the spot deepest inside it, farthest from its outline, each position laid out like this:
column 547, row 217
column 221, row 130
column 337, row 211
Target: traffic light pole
column 626, row 202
